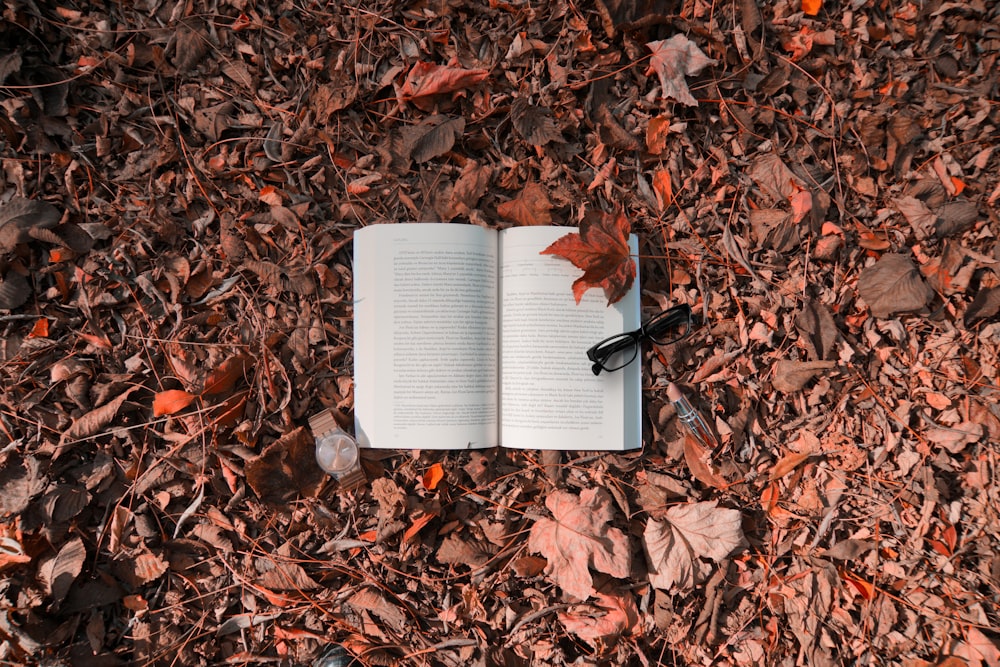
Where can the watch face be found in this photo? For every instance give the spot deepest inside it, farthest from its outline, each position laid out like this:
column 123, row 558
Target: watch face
column 336, row 453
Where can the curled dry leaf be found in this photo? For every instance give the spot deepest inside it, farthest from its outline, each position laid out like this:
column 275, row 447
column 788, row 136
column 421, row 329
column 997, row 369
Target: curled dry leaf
column 690, row 532
column 610, row 617
column 578, row 538
column 893, row 285
column 601, row 250
column 672, row 60
column 20, row 217
column 534, row 123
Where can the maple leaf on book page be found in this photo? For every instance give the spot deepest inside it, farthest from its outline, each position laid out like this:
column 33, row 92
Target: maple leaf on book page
column 690, row 532
column 578, row 538
column 601, row 250
column 672, row 60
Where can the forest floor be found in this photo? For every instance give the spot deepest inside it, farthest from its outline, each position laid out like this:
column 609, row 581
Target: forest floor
column 818, row 179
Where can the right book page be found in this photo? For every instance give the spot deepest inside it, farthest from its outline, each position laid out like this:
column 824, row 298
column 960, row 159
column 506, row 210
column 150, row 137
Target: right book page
column 549, row 396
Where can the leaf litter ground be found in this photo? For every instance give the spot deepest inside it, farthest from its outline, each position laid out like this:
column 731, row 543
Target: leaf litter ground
column 180, row 186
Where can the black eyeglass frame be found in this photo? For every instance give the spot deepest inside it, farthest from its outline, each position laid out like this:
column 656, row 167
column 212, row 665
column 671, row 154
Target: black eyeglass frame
column 667, row 320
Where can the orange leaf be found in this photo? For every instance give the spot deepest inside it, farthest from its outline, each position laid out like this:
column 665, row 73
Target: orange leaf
column 698, row 462
column 656, row 134
column 41, row 328
column 170, row 401
column 433, row 477
column 223, row 379
column 663, row 189
column 270, row 195
column 812, row 7
column 601, row 250
column 958, row 183
column 418, row 523
column 802, row 203
column 865, row 588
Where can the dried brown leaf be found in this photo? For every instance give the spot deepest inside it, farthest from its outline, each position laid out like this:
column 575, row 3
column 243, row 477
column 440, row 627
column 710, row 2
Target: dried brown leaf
column 985, row 306
column 690, row 532
column 893, row 285
column 672, row 60
column 578, row 538
column 427, row 79
column 611, row 616
column 792, row 376
column 280, row 575
column 223, row 379
column 60, row 571
column 955, row 217
column 95, row 420
column 534, row 123
column 371, row 600
column 286, row 467
column 815, row 323
column 149, row 567
column 530, row 207
column 21, row 480
column 20, row 216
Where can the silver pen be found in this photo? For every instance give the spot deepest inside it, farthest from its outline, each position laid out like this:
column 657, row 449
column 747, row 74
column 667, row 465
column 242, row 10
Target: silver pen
column 691, row 418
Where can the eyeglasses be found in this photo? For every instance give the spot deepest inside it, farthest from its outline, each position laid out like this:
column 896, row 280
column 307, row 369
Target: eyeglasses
column 619, row 351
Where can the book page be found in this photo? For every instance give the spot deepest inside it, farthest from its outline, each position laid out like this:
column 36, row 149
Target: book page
column 425, row 336
column 550, row 397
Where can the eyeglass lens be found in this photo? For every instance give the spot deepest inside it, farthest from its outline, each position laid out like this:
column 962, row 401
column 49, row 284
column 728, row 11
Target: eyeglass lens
column 616, row 352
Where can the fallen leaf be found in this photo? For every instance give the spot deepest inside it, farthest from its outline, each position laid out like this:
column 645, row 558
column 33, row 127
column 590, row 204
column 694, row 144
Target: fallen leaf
column 802, row 203
column 984, row 306
column 663, row 189
column 893, row 285
column 60, row 571
column 601, row 250
column 672, row 60
column 800, row 44
column 287, row 466
column 775, row 178
column 916, row 212
column 456, row 551
column 282, row 575
column 531, row 207
column 171, row 401
column 14, row 290
column 21, row 480
column 690, row 532
column 534, row 123
column 426, row 79
column 223, row 379
column 578, row 538
column 812, row 7
column 603, row 621
column 698, row 460
column 656, row 134
column 371, row 600
column 438, row 137
column 20, row 217
column 92, row 422
column 955, row 217
column 787, row 464
column 433, row 477
column 149, row 567
column 792, row 376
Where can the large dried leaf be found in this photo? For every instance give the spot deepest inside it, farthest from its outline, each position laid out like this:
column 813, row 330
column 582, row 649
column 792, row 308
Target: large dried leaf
column 371, row 600
column 792, row 376
column 437, row 138
column 427, row 79
column 95, row 420
column 578, row 538
column 20, row 216
column 601, row 250
column 534, row 123
column 223, row 379
column 672, row 60
column 280, row 575
column 610, row 617
column 955, row 217
column 815, row 323
column 690, row 532
column 916, row 212
column 60, row 571
column 531, row 207
column 773, row 177
column 286, row 467
column 893, row 285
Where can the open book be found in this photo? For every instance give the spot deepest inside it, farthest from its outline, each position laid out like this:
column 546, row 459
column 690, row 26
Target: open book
column 466, row 337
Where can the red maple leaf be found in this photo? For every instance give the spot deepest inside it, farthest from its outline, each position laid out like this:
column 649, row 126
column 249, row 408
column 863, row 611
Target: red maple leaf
column 601, row 250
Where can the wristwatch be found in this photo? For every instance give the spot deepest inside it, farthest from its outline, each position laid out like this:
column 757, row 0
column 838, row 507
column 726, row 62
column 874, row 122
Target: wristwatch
column 336, row 451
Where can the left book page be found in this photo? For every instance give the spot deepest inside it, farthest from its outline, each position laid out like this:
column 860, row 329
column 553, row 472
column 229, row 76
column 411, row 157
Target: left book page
column 425, row 336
